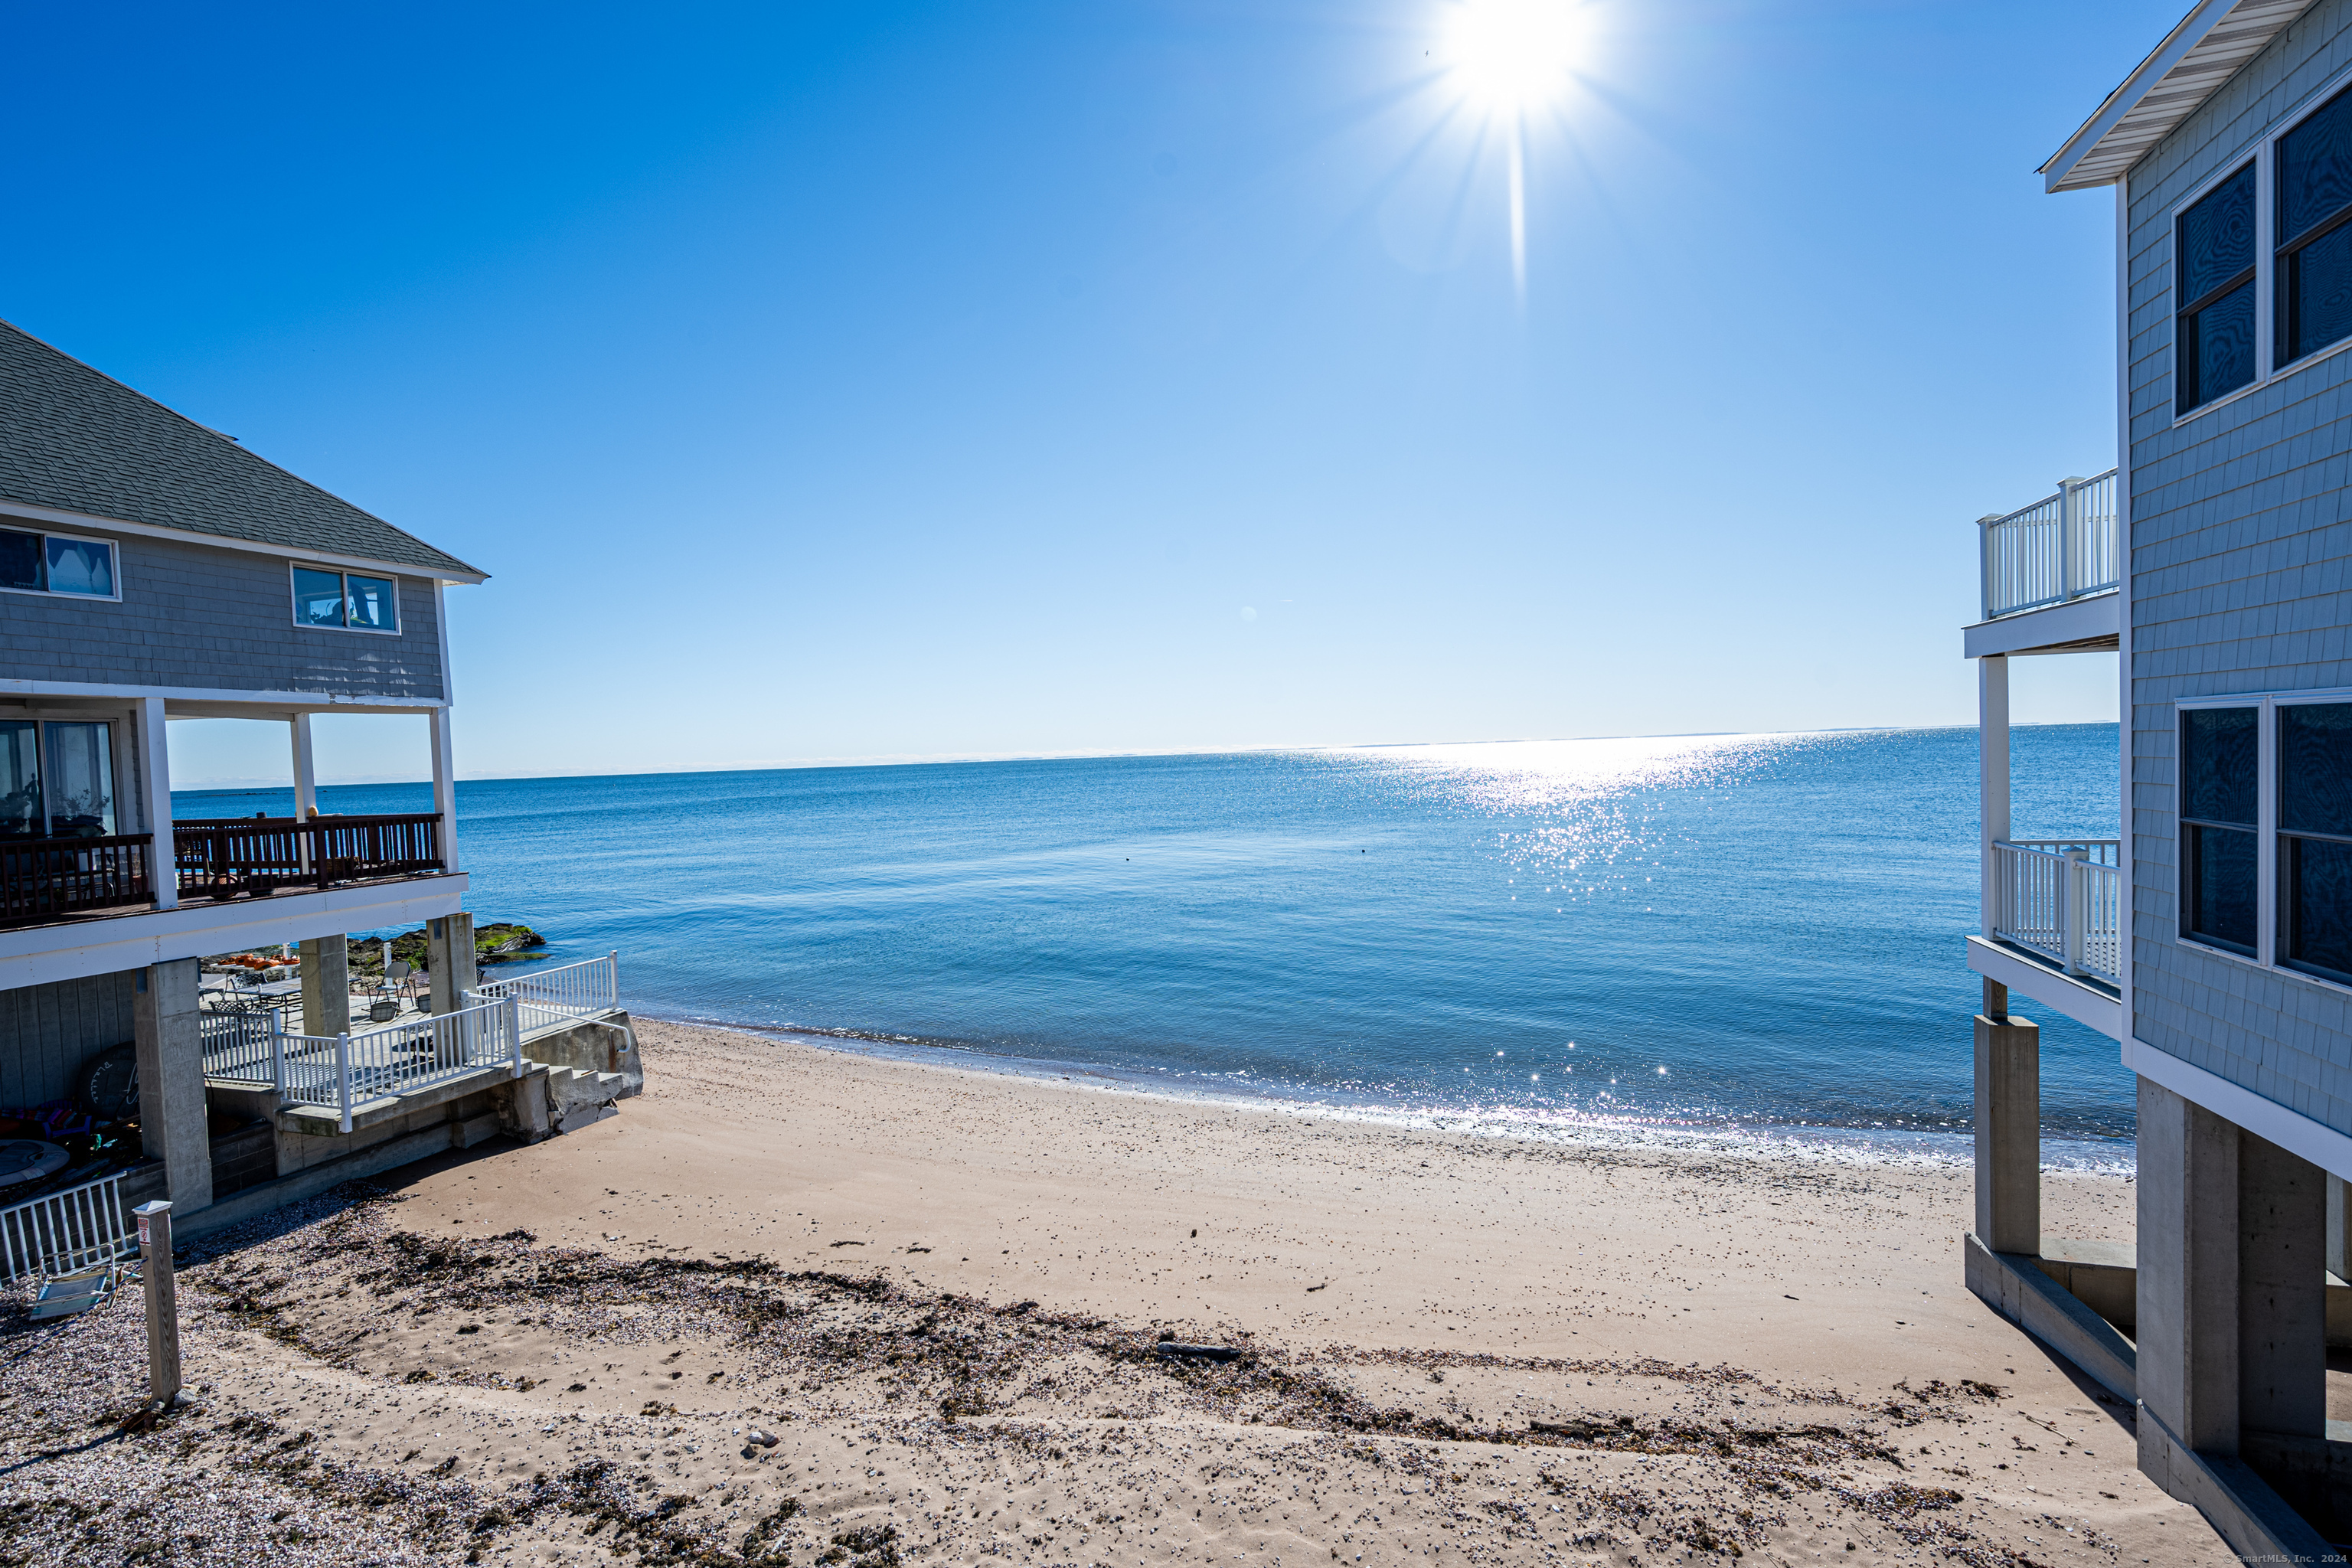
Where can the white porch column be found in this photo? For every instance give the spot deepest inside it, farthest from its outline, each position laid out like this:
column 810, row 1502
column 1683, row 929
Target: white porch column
column 445, row 787
column 155, row 769
column 306, row 780
column 306, row 768
column 1992, row 763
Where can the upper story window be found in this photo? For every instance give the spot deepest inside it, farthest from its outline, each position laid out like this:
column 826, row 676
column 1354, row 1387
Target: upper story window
column 2213, row 343
column 2315, row 848
column 57, row 564
column 345, row 599
column 2314, row 277
column 2220, row 761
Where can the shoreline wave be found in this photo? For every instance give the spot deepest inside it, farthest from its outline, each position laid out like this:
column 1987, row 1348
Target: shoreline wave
column 1825, row 1144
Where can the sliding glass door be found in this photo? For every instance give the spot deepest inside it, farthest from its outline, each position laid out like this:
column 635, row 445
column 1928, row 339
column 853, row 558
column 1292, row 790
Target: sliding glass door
column 57, row 781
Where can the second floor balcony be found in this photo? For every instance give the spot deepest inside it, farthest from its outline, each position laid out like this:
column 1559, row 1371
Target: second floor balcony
column 2060, row 548
column 51, row 879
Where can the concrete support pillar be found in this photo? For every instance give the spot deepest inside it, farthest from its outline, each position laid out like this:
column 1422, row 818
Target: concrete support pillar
column 155, row 771
column 2282, row 1290
column 2188, row 1266
column 174, row 1126
column 326, row 985
column 2009, row 1135
column 449, row 956
column 1992, row 778
column 2340, row 1230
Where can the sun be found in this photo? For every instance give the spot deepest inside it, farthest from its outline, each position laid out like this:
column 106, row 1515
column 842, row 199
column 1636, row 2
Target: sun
column 1512, row 56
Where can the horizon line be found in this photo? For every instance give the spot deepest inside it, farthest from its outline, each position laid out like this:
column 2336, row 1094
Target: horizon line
column 952, row 759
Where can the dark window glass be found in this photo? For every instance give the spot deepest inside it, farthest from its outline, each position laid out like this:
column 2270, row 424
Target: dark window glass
column 2314, row 170
column 2219, row 352
column 81, row 781
column 2217, row 237
column 20, row 781
column 81, row 566
column 2317, row 899
column 20, row 560
column 2314, row 245
column 2315, row 767
column 368, row 603
column 318, row 597
column 2318, row 282
column 2221, row 893
column 2218, row 765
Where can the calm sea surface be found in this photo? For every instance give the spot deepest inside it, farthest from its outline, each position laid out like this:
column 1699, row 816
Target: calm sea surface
column 1752, row 937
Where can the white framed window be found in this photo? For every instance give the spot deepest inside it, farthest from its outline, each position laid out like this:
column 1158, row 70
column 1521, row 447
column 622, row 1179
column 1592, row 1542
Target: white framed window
column 2265, row 815
column 327, row 598
column 65, row 564
column 2262, row 259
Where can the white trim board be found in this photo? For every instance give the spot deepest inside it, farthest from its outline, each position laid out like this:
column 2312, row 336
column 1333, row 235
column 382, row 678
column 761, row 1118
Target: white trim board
column 2052, row 626
column 2265, row 1118
column 222, row 695
column 2029, row 980
column 256, row 546
column 108, row 944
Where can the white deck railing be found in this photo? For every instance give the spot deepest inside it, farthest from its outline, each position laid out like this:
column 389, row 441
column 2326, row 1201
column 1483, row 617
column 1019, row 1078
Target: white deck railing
column 334, row 1072
column 2062, row 898
column 2062, row 547
column 548, row 998
column 66, row 1230
column 237, row 1045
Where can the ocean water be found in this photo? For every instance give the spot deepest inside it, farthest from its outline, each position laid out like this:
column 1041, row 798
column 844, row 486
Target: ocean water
column 1746, row 940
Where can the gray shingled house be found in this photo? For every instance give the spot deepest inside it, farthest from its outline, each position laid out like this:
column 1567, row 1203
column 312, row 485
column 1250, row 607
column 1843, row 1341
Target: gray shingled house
column 154, row 570
column 2213, row 938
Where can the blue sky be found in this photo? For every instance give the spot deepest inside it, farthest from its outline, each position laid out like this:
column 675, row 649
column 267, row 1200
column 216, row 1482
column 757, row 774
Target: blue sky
column 893, row 380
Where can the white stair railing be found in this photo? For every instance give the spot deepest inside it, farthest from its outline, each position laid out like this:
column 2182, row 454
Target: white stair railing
column 2063, row 546
column 2062, row 898
column 335, row 1072
column 237, row 1045
column 61, row 1232
column 566, row 995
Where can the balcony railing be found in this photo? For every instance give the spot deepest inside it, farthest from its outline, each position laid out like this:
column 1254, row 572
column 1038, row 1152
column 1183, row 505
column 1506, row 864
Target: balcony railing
column 547, row 998
column 336, row 1072
column 58, row 879
column 256, row 854
column 2062, row 898
column 2063, row 547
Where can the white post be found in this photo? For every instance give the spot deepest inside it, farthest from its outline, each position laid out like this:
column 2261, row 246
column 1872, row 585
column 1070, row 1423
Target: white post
column 163, row 1303
column 2077, row 908
column 444, row 788
column 276, row 1054
column 155, row 768
column 1992, row 774
column 513, row 1010
column 2070, row 523
column 1988, row 538
column 343, row 1079
column 306, row 783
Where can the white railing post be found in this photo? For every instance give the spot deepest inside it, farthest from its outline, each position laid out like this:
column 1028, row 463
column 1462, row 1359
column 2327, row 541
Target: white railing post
column 1989, row 537
column 276, row 1054
column 343, row 1079
column 2074, row 911
column 513, row 1008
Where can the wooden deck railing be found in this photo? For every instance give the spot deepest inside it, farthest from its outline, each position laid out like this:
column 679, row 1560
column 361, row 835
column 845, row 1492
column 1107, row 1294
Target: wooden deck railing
column 253, row 854
column 56, row 878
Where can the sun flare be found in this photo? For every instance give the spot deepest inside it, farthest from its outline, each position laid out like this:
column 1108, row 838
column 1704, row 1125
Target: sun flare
column 1513, row 54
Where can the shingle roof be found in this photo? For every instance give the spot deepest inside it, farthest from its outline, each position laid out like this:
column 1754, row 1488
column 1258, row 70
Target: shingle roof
column 76, row 440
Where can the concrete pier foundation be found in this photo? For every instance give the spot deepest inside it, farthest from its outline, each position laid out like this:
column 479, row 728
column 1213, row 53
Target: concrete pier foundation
column 2009, row 1133
column 172, row 1125
column 450, row 962
column 326, row 984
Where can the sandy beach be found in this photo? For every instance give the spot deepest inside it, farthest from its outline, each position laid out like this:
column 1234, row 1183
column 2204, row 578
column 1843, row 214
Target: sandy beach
column 804, row 1305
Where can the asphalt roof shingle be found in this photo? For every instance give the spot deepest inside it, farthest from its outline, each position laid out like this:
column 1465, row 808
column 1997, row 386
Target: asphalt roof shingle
column 76, row 439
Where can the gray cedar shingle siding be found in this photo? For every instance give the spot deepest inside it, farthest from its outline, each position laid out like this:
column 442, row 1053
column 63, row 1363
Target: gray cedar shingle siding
column 47, row 1031
column 80, row 441
column 2242, row 535
column 199, row 616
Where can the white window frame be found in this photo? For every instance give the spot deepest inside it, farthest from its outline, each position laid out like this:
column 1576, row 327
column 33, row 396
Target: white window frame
column 293, row 601
column 2264, row 153
column 2266, row 705
column 113, row 554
